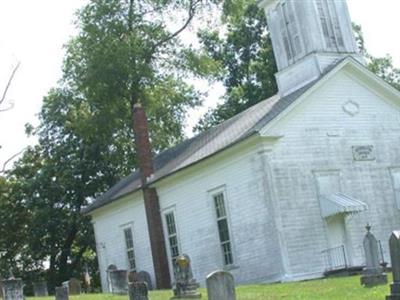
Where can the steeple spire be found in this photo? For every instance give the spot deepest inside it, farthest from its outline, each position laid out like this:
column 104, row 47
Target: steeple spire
column 307, row 37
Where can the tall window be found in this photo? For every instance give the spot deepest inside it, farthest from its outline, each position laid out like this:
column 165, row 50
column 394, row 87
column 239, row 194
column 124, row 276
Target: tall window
column 129, row 248
column 223, row 228
column 330, row 24
column 172, row 236
column 290, row 31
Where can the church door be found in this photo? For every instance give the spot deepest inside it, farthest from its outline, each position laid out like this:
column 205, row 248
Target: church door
column 336, row 230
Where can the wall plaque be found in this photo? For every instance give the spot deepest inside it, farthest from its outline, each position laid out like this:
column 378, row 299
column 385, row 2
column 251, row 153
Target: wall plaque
column 363, row 153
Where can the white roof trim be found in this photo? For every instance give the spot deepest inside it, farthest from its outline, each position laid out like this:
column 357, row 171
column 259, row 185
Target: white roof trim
column 338, row 203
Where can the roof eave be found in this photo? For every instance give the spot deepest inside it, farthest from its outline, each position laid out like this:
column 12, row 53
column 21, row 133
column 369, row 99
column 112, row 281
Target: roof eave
column 89, row 212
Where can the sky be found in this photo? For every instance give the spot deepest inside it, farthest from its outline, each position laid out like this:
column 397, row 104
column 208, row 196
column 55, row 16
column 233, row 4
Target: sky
column 34, row 32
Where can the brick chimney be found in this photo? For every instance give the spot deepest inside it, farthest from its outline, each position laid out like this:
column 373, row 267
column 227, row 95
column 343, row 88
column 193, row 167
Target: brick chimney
column 151, row 203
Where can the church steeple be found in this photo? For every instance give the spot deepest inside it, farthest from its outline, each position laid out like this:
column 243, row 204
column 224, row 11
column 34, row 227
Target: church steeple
column 307, row 37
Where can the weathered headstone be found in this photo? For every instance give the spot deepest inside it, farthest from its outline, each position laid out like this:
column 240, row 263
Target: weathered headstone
column 138, row 291
column 144, row 276
column 119, row 282
column 40, row 289
column 394, row 245
column 74, row 286
column 373, row 273
column 62, row 293
column 110, row 268
column 132, row 276
column 13, row 289
column 220, row 286
column 185, row 285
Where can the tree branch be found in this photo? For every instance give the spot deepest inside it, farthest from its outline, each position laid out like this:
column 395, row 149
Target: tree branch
column 191, row 14
column 3, row 97
column 3, row 170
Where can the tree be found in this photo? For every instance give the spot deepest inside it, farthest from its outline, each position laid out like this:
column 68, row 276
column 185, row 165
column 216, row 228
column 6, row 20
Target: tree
column 12, row 231
column 124, row 55
column 246, row 54
column 76, row 160
column 381, row 66
column 127, row 59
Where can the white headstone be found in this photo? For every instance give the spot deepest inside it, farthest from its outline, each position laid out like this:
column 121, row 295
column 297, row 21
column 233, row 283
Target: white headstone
column 373, row 273
column 221, row 286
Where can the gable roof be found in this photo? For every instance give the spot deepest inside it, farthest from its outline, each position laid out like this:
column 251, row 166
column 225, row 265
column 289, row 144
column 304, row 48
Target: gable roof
column 210, row 142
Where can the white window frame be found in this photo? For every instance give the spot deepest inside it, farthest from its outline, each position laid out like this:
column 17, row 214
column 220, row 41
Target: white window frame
column 165, row 212
column 213, row 193
column 131, row 249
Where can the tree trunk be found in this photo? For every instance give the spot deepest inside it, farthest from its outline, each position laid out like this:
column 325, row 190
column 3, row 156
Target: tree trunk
column 63, row 271
column 152, row 206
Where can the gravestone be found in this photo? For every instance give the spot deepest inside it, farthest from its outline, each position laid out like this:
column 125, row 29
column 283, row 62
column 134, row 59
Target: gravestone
column 185, row 285
column 13, row 289
column 73, row 285
column 62, row 293
column 132, row 277
column 119, row 282
column 40, row 289
column 372, row 273
column 144, row 276
column 138, row 291
column 394, row 245
column 110, row 268
column 220, row 286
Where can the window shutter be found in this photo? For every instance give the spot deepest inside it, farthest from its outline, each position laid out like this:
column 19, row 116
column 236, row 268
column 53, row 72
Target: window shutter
column 284, row 32
column 294, row 31
column 330, row 24
column 336, row 26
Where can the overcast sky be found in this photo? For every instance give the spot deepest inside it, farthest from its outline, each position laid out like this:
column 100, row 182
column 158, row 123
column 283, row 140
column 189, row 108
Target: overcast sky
column 33, row 32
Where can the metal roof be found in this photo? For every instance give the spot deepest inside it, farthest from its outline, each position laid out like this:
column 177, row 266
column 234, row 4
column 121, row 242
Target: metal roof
column 339, row 203
column 206, row 144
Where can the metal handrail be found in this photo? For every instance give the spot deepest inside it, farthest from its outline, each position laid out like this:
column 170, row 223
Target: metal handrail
column 335, row 258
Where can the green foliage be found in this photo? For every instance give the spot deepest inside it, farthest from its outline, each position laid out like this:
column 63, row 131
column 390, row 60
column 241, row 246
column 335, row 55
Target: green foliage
column 384, row 68
column 77, row 158
column 381, row 66
column 124, row 54
column 12, row 230
column 246, row 56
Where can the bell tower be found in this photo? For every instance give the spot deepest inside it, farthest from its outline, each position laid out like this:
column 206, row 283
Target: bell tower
column 307, row 37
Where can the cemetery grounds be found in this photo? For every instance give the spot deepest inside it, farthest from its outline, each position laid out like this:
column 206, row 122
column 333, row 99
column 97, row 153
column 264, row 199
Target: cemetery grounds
column 324, row 289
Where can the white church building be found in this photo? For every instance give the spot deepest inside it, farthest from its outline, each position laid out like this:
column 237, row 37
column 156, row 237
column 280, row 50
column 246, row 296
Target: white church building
column 284, row 190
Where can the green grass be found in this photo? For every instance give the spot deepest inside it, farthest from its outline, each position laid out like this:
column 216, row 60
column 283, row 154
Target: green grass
column 323, row 289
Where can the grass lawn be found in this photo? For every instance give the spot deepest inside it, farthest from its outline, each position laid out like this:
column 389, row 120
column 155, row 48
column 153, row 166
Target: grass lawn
column 323, row 289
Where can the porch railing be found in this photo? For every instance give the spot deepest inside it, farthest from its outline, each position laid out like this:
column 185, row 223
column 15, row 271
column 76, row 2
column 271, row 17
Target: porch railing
column 335, row 258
